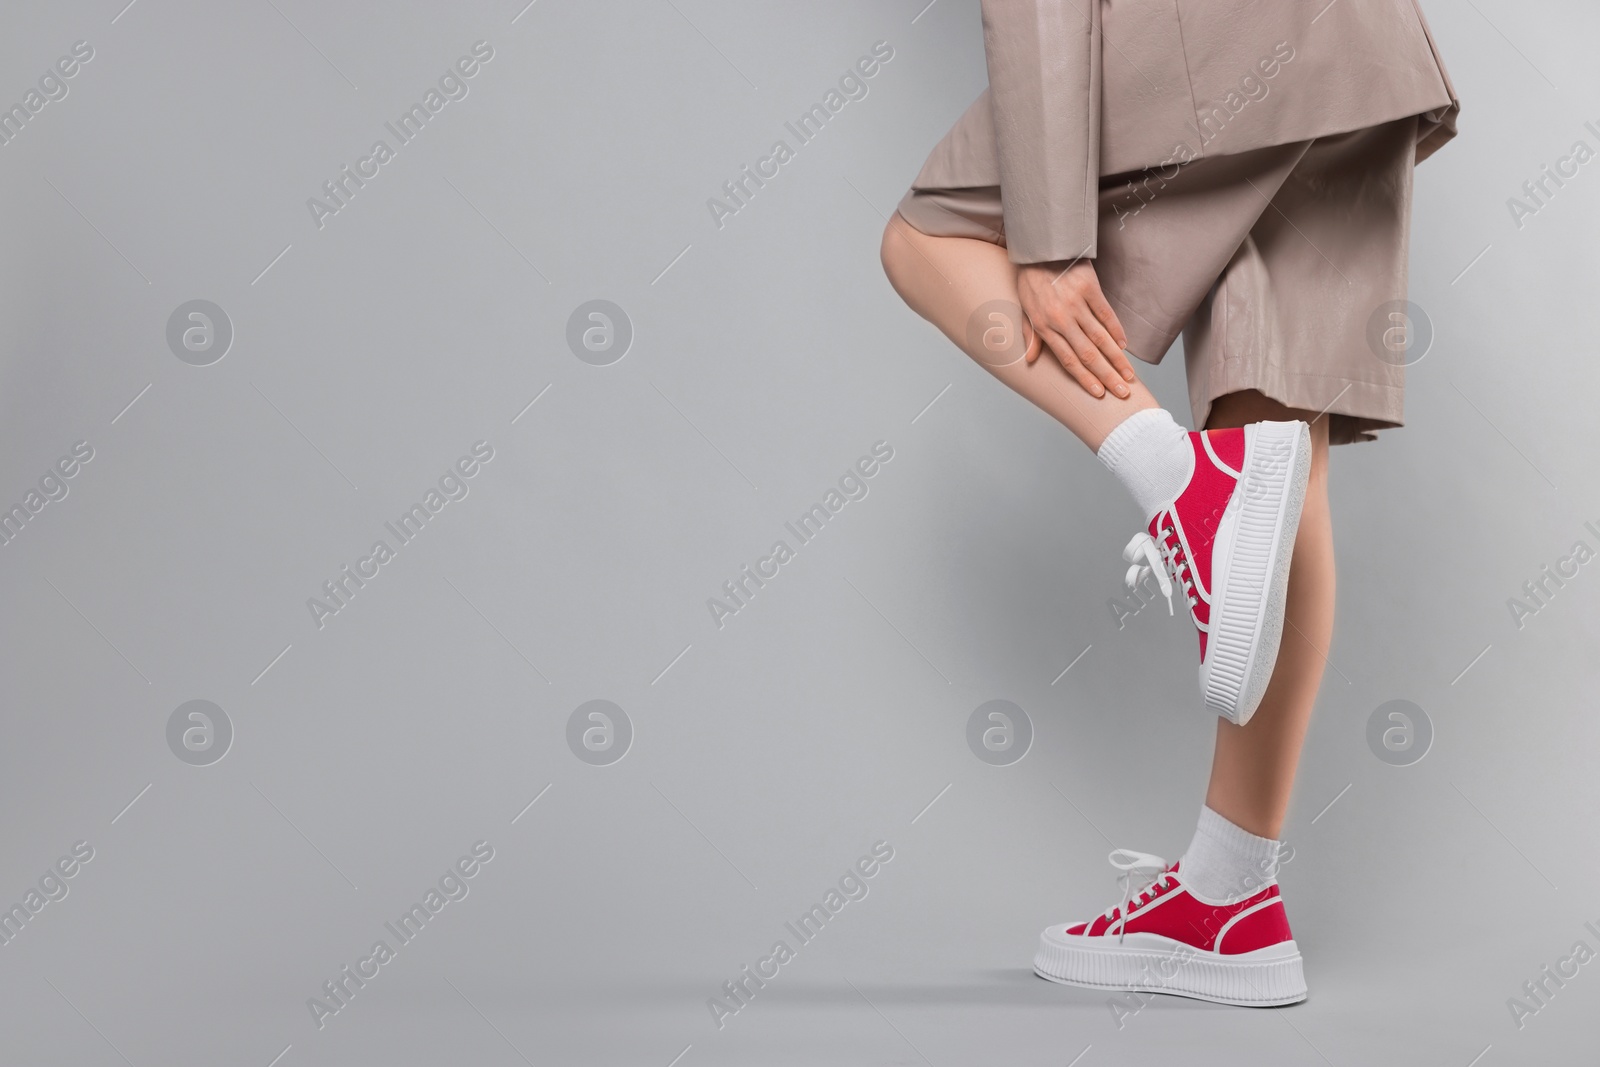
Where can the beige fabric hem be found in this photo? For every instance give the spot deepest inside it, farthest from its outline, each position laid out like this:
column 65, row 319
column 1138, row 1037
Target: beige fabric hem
column 1270, row 263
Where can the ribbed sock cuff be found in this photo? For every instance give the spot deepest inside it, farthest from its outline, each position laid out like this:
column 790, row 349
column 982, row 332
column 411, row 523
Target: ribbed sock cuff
column 1150, row 455
column 1226, row 861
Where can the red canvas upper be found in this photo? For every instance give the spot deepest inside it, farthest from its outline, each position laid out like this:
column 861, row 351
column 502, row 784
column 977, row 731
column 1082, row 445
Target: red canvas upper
column 1168, row 909
column 1186, row 530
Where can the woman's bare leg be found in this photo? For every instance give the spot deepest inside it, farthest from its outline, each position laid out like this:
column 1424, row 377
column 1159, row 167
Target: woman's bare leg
column 1253, row 768
column 947, row 280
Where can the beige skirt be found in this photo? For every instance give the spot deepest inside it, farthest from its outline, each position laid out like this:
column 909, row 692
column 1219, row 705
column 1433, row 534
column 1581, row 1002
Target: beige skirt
column 1284, row 269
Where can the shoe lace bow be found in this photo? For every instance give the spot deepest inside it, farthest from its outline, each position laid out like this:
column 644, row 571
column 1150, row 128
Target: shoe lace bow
column 1147, row 556
column 1133, row 864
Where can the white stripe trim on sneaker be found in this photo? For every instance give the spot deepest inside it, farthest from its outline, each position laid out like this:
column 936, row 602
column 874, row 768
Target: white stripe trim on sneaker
column 1205, row 439
column 1216, row 946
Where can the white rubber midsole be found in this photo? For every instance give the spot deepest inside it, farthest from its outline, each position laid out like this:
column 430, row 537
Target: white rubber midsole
column 1149, row 963
column 1250, row 560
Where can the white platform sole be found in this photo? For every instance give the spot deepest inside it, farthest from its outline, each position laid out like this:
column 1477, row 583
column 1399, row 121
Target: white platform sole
column 1149, row 963
column 1250, row 578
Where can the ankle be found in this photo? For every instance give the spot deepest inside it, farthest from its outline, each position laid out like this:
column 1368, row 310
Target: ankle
column 1151, row 456
column 1249, row 819
column 1225, row 861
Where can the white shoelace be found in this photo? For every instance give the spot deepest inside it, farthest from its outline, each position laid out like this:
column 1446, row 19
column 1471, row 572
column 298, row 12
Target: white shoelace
column 1147, row 557
column 1130, row 863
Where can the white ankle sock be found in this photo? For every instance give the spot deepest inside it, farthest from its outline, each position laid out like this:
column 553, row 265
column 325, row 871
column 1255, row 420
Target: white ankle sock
column 1227, row 862
column 1150, row 455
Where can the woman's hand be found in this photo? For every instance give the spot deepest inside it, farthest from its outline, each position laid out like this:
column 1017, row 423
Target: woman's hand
column 1069, row 313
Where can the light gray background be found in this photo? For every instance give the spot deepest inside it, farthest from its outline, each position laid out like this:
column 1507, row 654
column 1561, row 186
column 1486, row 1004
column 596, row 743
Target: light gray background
column 370, row 754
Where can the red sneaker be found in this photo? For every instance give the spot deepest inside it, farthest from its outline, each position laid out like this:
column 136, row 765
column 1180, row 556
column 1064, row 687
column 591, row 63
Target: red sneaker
column 1227, row 540
column 1171, row 941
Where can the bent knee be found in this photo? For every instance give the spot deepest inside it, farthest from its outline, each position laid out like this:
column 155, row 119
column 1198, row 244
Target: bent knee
column 896, row 250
